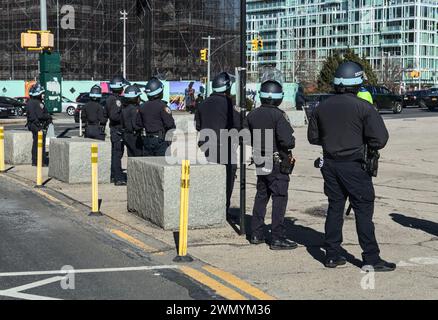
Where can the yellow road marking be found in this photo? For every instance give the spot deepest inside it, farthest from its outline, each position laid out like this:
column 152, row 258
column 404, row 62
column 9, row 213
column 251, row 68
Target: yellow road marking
column 220, row 289
column 134, row 241
column 239, row 283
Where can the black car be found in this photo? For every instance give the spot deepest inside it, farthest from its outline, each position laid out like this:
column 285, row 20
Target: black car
column 18, row 107
column 83, row 98
column 429, row 99
column 313, row 100
column 411, row 98
column 6, row 110
column 385, row 99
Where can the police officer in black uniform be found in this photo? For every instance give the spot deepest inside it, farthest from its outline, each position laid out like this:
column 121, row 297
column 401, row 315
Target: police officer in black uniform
column 93, row 115
column 156, row 118
column 217, row 113
column 274, row 164
column 38, row 119
column 131, row 131
column 345, row 125
column 113, row 111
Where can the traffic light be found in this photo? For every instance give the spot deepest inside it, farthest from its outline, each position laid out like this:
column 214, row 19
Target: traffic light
column 415, row 74
column 260, row 43
column 204, row 54
column 255, row 45
column 29, row 40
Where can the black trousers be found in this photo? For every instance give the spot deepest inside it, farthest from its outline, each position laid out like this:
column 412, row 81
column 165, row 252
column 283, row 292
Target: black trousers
column 275, row 186
column 94, row 132
column 344, row 180
column 134, row 144
column 117, row 150
column 155, row 146
column 34, row 129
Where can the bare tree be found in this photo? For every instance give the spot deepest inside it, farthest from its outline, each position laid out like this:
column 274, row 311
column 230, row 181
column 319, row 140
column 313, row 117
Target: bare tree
column 392, row 74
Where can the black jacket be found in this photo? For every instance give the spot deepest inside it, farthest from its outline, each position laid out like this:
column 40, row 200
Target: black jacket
column 113, row 111
column 37, row 113
column 93, row 114
column 344, row 124
column 155, row 116
column 270, row 117
column 217, row 113
column 129, row 118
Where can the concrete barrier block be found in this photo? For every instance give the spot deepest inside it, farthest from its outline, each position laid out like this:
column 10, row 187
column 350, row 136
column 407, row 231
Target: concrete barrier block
column 18, row 147
column 185, row 122
column 297, row 118
column 70, row 160
column 154, row 193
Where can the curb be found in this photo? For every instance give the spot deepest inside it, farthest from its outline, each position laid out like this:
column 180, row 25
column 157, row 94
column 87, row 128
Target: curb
column 12, row 121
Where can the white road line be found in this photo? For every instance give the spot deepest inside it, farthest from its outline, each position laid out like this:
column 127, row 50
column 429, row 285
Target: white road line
column 33, row 285
column 25, row 296
column 16, row 292
column 74, row 271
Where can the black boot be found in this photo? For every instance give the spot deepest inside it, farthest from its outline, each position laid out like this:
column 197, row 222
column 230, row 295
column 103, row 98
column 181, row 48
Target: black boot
column 256, row 240
column 333, row 262
column 283, row 244
column 380, row 266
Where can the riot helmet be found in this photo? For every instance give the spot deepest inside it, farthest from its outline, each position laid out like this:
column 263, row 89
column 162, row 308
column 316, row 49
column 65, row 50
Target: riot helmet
column 37, row 90
column 222, row 83
column 154, row 89
column 95, row 93
column 271, row 93
column 349, row 75
column 132, row 94
column 117, row 83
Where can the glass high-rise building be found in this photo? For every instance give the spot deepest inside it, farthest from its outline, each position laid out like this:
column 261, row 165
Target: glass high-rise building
column 164, row 37
column 394, row 35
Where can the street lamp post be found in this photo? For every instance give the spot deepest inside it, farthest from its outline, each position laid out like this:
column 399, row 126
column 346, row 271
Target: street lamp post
column 43, row 15
column 209, row 54
column 124, row 18
column 242, row 115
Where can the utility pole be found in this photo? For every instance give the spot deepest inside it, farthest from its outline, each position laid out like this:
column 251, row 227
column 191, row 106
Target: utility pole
column 242, row 88
column 124, row 18
column 57, row 23
column 43, row 15
column 209, row 38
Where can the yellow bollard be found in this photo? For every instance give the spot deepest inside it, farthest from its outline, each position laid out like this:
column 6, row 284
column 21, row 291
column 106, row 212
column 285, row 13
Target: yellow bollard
column 94, row 182
column 2, row 150
column 39, row 182
column 184, row 214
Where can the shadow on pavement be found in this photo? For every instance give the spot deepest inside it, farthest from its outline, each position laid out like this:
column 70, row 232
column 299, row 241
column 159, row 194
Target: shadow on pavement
column 305, row 236
column 314, row 242
column 416, row 223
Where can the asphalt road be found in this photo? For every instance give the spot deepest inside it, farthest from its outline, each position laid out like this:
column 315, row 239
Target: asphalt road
column 37, row 236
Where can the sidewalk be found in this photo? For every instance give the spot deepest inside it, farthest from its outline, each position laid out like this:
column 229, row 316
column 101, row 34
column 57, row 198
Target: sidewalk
column 407, row 188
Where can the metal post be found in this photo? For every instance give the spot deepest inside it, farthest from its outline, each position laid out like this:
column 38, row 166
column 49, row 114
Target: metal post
column 242, row 115
column 39, row 180
column 94, row 181
column 209, row 65
column 124, row 18
column 2, row 150
column 209, row 54
column 80, row 124
column 57, row 23
column 184, row 214
column 43, row 15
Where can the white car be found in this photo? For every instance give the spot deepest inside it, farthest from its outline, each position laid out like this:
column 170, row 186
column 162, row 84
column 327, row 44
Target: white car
column 69, row 106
